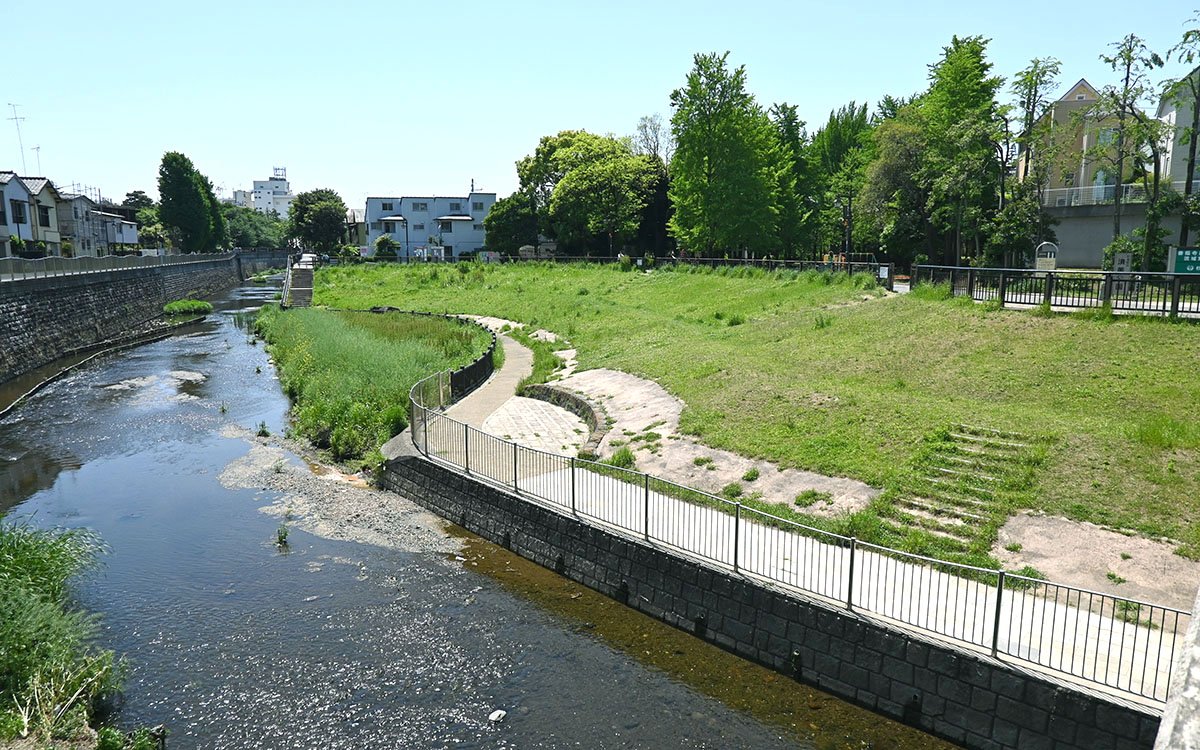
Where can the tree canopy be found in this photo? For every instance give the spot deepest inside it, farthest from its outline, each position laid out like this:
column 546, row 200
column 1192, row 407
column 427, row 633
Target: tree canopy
column 187, row 207
column 318, row 219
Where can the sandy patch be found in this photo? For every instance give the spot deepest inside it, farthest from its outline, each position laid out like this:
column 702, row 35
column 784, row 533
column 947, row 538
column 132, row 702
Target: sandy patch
column 331, row 505
column 538, row 424
column 639, row 406
column 1083, row 554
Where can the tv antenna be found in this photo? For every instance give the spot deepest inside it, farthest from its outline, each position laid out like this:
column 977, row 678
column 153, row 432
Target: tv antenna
column 38, row 150
column 17, row 122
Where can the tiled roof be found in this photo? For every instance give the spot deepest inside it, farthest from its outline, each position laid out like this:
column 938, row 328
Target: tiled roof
column 35, row 184
column 6, row 177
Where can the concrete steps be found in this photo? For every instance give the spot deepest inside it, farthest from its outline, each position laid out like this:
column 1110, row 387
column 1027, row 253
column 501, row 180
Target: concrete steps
column 300, row 292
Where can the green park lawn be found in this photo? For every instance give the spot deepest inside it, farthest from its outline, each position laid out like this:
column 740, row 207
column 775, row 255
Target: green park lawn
column 803, row 371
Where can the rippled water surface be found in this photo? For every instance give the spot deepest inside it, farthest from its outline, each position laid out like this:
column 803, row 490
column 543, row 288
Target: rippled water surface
column 232, row 644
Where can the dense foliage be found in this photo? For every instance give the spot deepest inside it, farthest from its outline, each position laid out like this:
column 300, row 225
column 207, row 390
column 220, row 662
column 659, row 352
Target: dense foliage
column 318, row 219
column 187, row 208
column 349, row 373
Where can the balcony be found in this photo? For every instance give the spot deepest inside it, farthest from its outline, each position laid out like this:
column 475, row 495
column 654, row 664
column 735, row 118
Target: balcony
column 1100, row 195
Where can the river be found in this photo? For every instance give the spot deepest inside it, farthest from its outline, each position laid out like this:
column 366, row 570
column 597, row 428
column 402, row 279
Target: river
column 232, row 642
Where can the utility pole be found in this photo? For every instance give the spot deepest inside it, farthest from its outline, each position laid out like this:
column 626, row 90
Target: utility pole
column 17, row 122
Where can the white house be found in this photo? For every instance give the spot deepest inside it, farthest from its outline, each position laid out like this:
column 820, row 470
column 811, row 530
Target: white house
column 117, row 229
column 14, row 212
column 430, row 226
column 274, row 194
column 1176, row 111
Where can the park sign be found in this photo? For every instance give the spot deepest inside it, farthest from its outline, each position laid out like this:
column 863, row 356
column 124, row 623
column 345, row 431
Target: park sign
column 1184, row 260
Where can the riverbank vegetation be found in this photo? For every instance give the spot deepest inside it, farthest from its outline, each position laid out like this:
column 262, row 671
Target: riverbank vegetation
column 349, row 373
column 188, row 307
column 50, row 673
column 1111, row 400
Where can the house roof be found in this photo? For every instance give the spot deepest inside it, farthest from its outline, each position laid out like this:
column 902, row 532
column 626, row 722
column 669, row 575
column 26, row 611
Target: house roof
column 356, row 215
column 1091, row 89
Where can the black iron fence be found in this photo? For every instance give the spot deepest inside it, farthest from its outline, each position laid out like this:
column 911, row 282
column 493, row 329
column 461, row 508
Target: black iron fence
column 1172, row 294
column 1123, row 644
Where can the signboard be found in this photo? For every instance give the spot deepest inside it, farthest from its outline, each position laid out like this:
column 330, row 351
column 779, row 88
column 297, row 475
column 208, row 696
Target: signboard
column 1122, row 265
column 1046, row 256
column 883, row 271
column 1184, row 260
column 1123, row 262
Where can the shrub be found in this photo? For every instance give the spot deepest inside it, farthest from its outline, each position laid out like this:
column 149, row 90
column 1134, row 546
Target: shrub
column 822, row 322
column 811, row 497
column 187, row 307
column 750, row 475
column 622, row 459
column 732, row 490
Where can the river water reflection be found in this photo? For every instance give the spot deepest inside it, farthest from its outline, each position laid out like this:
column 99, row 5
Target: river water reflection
column 232, row 644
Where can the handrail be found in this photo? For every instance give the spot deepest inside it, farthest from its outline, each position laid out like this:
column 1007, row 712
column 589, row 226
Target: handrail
column 828, row 565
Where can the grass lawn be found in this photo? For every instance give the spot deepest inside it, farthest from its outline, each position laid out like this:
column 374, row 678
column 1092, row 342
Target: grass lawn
column 804, row 372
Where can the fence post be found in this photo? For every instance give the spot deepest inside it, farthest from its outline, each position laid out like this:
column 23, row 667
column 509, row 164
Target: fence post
column 425, row 411
column 1176, row 287
column 1106, row 293
column 850, row 581
column 467, row 447
column 1003, row 287
column 572, row 484
column 971, row 283
column 646, row 495
column 996, row 622
column 1049, row 288
column 737, row 526
column 515, row 464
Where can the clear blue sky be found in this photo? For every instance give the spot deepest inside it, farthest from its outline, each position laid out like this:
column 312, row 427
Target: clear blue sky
column 401, row 98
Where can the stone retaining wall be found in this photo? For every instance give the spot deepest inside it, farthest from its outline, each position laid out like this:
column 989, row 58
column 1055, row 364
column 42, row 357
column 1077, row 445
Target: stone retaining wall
column 962, row 696
column 590, row 412
column 43, row 319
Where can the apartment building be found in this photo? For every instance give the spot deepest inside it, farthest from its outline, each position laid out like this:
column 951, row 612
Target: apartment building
column 430, row 226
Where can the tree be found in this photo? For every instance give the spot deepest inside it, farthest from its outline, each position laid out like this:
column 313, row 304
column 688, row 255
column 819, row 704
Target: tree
column 184, row 207
column 218, row 233
column 318, row 218
column 893, row 202
column 386, row 247
column 964, row 128
column 250, row 228
column 653, row 138
column 602, row 197
column 510, row 224
column 1133, row 61
column 1187, row 91
column 137, row 200
column 723, row 180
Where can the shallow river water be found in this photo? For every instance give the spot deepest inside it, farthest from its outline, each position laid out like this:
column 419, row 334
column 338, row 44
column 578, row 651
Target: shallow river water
column 232, row 643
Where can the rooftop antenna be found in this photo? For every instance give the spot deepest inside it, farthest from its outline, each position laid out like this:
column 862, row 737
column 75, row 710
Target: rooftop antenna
column 38, row 150
column 17, row 121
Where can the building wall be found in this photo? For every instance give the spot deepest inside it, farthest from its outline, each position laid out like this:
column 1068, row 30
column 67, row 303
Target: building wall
column 47, row 318
column 15, row 190
column 422, row 212
column 962, row 696
column 1084, row 231
column 274, row 194
column 48, row 234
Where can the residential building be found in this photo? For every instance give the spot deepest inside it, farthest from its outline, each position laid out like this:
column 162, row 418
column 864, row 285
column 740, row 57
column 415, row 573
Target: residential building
column 244, row 198
column 1177, row 111
column 274, row 194
column 428, row 227
column 1075, row 172
column 38, row 216
column 14, row 212
column 356, row 228
column 78, row 223
column 119, row 232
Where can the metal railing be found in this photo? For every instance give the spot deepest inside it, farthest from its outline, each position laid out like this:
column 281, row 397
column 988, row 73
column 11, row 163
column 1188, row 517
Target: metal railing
column 1123, row 644
column 1172, row 294
column 287, row 285
column 1100, row 195
column 16, row 269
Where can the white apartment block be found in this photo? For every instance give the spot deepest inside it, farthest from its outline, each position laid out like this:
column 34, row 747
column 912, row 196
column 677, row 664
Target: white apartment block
column 427, row 227
column 270, row 195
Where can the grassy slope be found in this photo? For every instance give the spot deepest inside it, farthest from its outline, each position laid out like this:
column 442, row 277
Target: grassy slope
column 1117, row 400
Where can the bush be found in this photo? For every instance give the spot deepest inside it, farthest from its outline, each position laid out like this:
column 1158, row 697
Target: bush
column 750, row 475
column 622, row 459
column 187, row 307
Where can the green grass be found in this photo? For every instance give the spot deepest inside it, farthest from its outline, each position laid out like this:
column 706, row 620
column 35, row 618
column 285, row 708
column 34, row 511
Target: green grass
column 50, row 672
column 1114, row 399
column 187, row 307
column 349, row 374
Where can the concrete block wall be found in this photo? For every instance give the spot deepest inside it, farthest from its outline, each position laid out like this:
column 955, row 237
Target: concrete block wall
column 44, row 319
column 958, row 695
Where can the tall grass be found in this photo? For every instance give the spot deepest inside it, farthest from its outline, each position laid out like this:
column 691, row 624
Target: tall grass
column 50, row 673
column 349, row 373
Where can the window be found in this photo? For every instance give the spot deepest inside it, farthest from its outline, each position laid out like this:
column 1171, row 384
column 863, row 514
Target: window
column 76, row 212
column 3, row 218
column 455, row 207
column 374, row 226
column 389, row 227
column 18, row 211
column 477, row 227
column 418, row 227
column 446, row 227
column 387, row 206
column 476, row 205
column 421, row 206
column 43, row 216
column 1107, row 136
column 1079, row 97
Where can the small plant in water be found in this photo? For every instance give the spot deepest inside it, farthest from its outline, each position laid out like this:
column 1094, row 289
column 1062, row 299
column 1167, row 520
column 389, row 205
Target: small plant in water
column 281, row 535
column 224, row 408
column 278, row 468
column 262, row 430
column 258, row 370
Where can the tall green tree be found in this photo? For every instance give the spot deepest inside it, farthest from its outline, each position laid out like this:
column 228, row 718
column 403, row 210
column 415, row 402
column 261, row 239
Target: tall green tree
column 964, row 127
column 602, row 197
column 511, row 223
column 318, row 219
column 249, row 228
column 218, row 235
column 137, row 200
column 1038, row 146
column 184, row 207
column 723, row 180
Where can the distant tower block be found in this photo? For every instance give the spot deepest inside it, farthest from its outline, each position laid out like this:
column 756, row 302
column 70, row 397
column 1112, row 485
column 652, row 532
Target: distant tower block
column 279, row 173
